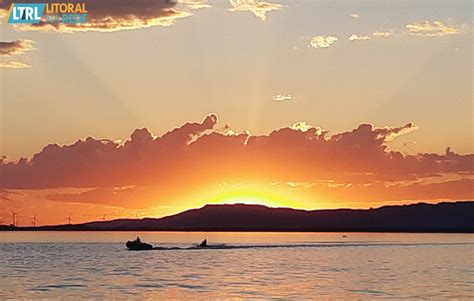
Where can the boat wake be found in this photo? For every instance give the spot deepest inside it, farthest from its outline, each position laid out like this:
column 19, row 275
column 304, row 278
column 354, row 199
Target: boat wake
column 312, row 245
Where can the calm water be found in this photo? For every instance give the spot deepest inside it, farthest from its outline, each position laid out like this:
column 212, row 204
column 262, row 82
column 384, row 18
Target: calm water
column 249, row 265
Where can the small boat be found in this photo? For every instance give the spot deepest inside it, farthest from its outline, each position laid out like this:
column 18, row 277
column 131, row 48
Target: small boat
column 137, row 245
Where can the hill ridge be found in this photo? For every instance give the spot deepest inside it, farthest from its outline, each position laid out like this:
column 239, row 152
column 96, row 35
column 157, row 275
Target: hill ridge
column 419, row 217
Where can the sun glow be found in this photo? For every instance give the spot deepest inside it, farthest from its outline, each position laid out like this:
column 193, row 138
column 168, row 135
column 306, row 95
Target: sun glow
column 244, row 198
column 247, row 193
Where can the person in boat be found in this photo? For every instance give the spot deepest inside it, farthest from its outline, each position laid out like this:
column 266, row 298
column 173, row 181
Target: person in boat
column 137, row 244
column 203, row 243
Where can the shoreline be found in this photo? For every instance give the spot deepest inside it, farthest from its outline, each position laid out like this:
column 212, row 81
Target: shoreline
column 282, row 230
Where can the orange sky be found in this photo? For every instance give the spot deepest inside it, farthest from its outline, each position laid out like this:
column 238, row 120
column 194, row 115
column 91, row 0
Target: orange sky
column 315, row 104
column 300, row 166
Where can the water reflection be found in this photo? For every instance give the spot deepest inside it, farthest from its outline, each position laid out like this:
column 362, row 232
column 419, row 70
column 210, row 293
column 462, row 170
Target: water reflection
column 96, row 265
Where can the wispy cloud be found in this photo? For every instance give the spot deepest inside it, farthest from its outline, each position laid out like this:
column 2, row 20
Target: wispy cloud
column 282, row 97
column 322, row 41
column 194, row 4
column 258, row 8
column 390, row 133
column 15, row 49
column 14, row 65
column 355, row 37
column 432, row 29
column 383, row 33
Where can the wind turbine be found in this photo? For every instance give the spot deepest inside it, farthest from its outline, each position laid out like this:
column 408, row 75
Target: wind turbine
column 69, row 219
column 14, row 219
column 33, row 220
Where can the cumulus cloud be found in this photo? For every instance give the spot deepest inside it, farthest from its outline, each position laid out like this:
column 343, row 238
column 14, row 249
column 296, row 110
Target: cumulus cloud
column 15, row 49
column 143, row 158
column 305, row 127
column 432, row 29
column 282, row 97
column 322, row 41
column 258, row 8
column 355, row 37
column 113, row 15
column 149, row 170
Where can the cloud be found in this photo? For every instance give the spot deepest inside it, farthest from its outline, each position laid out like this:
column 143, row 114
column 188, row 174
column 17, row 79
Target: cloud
column 258, row 8
column 322, row 41
column 432, row 29
column 147, row 171
column 101, row 157
column 15, row 49
column 355, row 37
column 200, row 147
column 304, row 127
column 383, row 33
column 14, row 65
column 194, row 4
column 355, row 15
column 390, row 133
column 282, row 97
column 360, row 192
column 113, row 15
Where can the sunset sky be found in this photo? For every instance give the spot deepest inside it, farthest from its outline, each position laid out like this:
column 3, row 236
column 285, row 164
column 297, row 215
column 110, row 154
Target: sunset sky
column 306, row 104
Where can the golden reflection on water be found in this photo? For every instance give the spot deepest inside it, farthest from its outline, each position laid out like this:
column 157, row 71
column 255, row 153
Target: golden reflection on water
column 95, row 265
column 223, row 237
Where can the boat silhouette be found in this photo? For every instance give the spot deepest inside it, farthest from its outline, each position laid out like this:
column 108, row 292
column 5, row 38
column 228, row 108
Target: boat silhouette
column 138, row 245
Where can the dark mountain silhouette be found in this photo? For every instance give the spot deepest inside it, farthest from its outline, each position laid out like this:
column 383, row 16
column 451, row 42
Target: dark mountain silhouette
column 442, row 217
